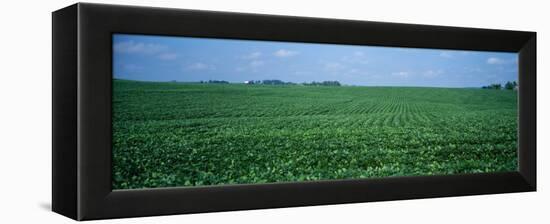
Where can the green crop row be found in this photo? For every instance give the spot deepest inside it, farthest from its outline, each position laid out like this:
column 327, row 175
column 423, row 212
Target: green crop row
column 174, row 134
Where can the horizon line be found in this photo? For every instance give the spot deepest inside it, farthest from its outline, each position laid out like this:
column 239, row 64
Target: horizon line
column 298, row 83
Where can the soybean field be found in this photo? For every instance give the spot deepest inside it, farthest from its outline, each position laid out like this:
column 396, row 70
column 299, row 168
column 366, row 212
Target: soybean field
column 190, row 134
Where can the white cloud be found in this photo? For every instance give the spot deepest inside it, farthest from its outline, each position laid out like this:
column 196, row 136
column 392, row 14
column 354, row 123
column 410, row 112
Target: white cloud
column 168, row 56
column 131, row 47
column 198, row 66
column 433, row 73
column 253, row 55
column 495, row 61
column 158, row 51
column 282, row 53
column 401, row 74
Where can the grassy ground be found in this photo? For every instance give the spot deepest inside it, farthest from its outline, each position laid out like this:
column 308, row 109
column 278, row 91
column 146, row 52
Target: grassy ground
column 175, row 134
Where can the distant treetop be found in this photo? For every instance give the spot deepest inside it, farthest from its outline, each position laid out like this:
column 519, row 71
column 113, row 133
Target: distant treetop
column 510, row 85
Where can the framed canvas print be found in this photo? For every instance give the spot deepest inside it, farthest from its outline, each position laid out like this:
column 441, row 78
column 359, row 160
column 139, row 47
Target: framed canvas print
column 168, row 111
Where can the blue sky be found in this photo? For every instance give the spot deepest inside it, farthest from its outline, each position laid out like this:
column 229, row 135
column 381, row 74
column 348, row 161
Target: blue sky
column 162, row 58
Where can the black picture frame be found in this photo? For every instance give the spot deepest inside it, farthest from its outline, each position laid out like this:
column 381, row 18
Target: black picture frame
column 82, row 76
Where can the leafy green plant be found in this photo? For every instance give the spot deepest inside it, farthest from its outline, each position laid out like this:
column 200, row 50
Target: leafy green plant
column 192, row 134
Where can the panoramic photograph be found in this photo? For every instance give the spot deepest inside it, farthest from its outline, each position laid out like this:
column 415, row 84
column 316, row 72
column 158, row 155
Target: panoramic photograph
column 202, row 111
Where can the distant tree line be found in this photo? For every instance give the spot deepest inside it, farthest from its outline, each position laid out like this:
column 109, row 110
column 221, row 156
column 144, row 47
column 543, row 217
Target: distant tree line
column 509, row 85
column 215, row 81
column 280, row 82
column 493, row 86
column 276, row 82
column 323, row 83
